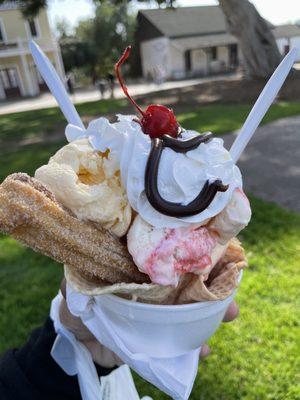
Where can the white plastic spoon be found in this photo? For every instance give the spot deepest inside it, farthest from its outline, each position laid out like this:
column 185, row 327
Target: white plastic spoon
column 262, row 104
column 55, row 85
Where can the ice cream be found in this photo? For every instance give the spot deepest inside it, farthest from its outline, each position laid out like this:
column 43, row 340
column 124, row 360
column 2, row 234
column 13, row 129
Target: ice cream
column 87, row 182
column 167, row 253
column 166, row 247
column 184, row 188
column 235, row 217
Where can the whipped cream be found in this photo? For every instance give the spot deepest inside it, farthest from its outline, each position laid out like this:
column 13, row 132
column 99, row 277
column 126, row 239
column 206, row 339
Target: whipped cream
column 180, row 176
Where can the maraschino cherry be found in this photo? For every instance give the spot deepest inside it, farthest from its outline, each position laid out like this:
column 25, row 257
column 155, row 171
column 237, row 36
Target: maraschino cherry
column 157, row 120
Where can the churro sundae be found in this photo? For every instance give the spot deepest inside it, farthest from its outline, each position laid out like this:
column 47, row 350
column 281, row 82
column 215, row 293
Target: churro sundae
column 140, row 207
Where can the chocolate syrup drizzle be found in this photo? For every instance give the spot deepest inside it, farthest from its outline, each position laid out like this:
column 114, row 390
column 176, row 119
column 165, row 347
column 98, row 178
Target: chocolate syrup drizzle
column 207, row 193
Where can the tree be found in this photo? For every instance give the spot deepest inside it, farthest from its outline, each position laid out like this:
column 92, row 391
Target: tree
column 63, row 28
column 258, row 45
column 97, row 43
column 30, row 7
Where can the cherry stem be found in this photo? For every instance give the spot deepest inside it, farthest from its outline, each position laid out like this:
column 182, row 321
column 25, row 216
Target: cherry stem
column 123, row 58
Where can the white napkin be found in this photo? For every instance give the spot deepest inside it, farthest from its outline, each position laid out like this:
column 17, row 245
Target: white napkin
column 174, row 376
column 74, row 359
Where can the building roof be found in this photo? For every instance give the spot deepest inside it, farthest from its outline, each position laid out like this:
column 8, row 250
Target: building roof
column 220, row 39
column 284, row 31
column 187, row 21
column 202, row 41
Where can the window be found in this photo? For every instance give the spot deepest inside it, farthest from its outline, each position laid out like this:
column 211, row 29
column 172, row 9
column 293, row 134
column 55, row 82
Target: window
column 286, row 49
column 233, row 56
column 2, row 32
column 13, row 77
column 9, row 78
column 39, row 76
column 4, row 78
column 214, row 53
column 188, row 61
column 33, row 29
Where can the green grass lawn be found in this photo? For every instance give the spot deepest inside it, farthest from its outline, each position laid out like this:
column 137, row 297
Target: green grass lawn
column 216, row 118
column 219, row 119
column 29, row 124
column 257, row 356
column 224, row 118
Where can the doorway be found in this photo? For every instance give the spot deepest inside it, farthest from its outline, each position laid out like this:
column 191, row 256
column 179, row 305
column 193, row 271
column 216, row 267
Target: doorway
column 233, row 56
column 10, row 81
column 40, row 81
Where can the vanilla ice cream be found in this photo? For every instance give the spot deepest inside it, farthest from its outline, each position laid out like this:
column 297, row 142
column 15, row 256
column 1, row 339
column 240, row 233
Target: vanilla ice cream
column 235, row 217
column 87, row 182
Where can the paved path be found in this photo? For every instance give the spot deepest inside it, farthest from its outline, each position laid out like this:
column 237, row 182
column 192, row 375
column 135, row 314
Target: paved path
column 271, row 162
column 46, row 100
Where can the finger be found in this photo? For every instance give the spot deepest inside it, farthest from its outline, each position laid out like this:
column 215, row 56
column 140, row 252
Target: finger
column 102, row 355
column 63, row 288
column 232, row 312
column 205, row 351
column 73, row 324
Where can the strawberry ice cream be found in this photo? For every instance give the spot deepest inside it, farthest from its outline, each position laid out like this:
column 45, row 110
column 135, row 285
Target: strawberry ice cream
column 165, row 254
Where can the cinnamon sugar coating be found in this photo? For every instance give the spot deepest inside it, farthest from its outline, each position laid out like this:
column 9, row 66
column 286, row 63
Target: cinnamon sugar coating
column 30, row 213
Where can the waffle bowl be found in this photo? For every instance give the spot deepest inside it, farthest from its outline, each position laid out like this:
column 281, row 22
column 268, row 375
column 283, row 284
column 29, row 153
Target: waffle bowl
column 220, row 284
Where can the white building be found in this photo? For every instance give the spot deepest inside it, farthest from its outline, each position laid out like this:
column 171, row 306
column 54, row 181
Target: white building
column 194, row 41
column 18, row 73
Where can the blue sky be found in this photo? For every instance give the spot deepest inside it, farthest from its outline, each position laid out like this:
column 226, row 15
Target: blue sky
column 276, row 11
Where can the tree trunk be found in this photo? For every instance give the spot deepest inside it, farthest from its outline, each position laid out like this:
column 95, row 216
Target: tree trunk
column 260, row 52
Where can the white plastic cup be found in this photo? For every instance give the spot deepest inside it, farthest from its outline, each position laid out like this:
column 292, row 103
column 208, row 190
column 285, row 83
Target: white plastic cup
column 167, row 330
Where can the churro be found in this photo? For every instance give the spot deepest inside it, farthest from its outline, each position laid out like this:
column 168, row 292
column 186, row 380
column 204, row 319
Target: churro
column 30, row 213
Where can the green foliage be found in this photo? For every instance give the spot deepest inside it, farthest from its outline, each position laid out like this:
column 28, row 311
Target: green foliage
column 63, row 28
column 30, row 7
column 98, row 42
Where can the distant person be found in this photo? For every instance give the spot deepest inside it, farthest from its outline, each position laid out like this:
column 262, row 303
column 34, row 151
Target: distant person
column 149, row 77
column 160, row 75
column 70, row 83
column 111, row 82
column 102, row 86
column 154, row 75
